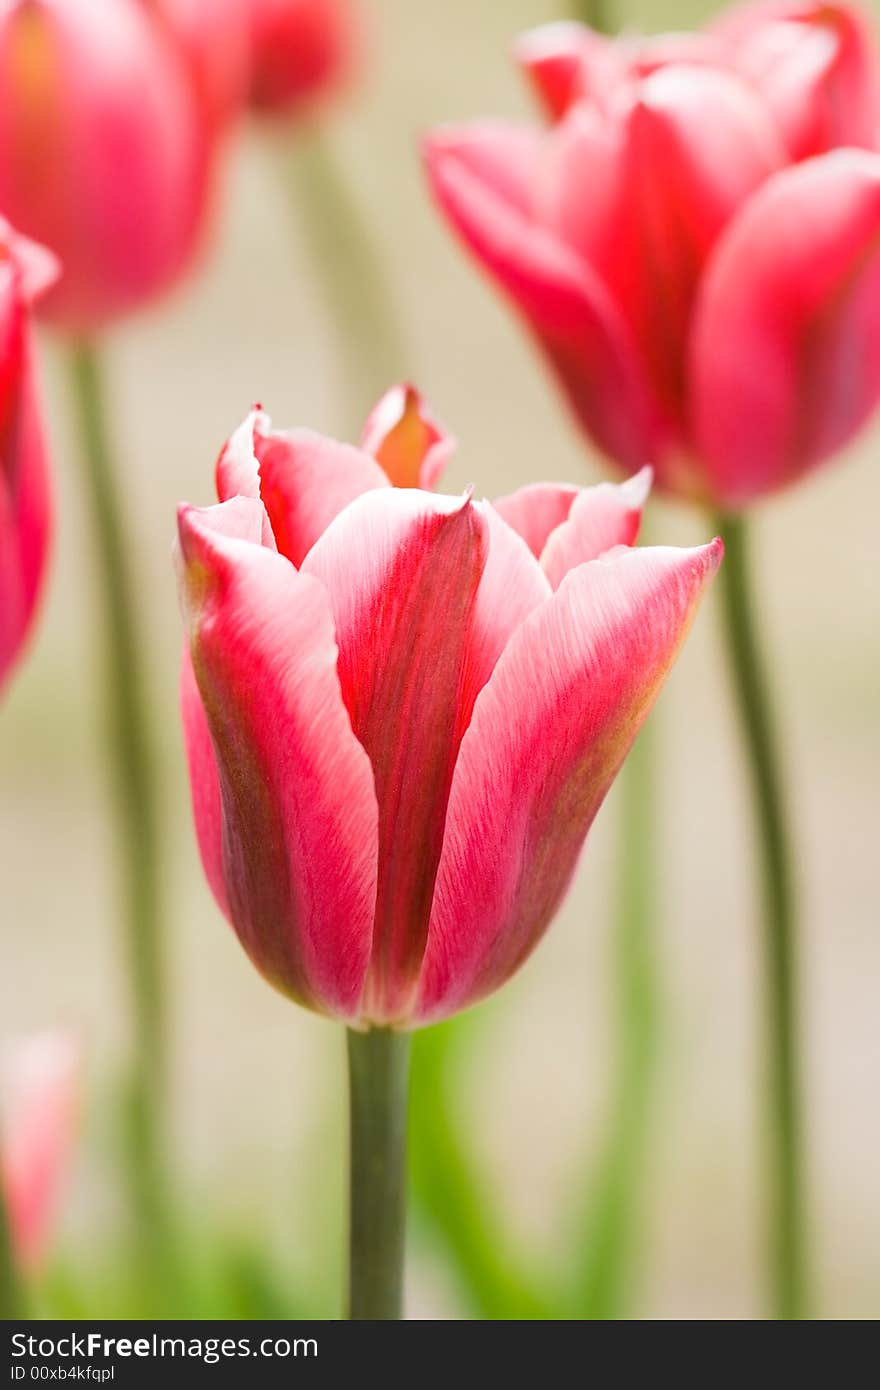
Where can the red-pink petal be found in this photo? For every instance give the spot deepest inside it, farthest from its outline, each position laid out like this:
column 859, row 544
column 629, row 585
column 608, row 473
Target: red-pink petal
column 303, row 479
column 537, row 509
column 785, row 357
column 600, row 518
column 484, row 180
column 565, row 61
column 816, row 66
column 401, row 434
column 299, row 819
column 549, row 732
column 402, row 568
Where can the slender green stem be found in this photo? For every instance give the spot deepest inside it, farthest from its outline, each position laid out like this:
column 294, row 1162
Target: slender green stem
column 596, row 13
column 11, row 1299
column 132, row 771
column 608, row 1273
column 378, row 1074
column 359, row 302
column 787, row 1214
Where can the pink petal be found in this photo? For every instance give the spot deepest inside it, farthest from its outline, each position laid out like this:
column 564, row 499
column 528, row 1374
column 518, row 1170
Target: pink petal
column 536, row 510
column 303, row 479
column 406, row 441
column 786, row 341
column 298, row 808
column 699, row 143
column 816, row 66
column 601, row 518
column 402, row 568
column 566, row 61
column 549, row 732
column 482, row 179
column 38, row 1104
column 204, row 782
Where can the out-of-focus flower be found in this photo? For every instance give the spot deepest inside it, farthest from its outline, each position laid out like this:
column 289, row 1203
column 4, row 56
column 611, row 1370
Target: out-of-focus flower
column 26, row 271
column 38, row 1104
column 708, row 306
column 214, row 36
column 403, row 712
column 303, row 53
column 106, row 152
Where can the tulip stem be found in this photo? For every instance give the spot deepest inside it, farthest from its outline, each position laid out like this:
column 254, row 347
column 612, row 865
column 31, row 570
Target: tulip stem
column 786, row 1196
column 378, row 1074
column 607, row 1273
column 358, row 300
column 11, row 1302
column 132, row 771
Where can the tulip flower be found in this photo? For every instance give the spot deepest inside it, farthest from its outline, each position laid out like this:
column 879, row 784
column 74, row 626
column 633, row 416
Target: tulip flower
column 303, row 53
column 38, row 1086
column 403, row 711
column 105, row 156
column 708, row 298
column 694, row 242
column 26, row 271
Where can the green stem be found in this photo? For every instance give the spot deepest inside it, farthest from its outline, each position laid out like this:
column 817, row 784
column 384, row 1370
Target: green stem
column 358, row 300
column 607, row 1277
column 378, row 1073
column 788, row 1237
column 11, row 1299
column 595, row 13
column 132, row 771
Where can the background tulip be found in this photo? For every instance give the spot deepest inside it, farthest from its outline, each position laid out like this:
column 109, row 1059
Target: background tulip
column 303, row 52
column 26, row 270
column 664, row 179
column 105, row 155
column 38, row 1102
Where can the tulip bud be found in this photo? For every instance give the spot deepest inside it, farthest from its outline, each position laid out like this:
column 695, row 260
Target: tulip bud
column 403, row 711
column 303, row 52
column 104, row 154
column 38, row 1085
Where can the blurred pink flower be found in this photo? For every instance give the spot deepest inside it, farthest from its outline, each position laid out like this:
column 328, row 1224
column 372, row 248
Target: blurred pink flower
column 26, row 271
column 403, row 711
column 708, row 298
column 38, row 1103
column 214, row 37
column 303, row 53
column 107, row 153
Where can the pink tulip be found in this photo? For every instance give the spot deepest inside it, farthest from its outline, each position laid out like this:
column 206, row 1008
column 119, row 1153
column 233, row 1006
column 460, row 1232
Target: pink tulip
column 38, row 1102
column 26, row 271
column 214, row 37
column 707, row 305
column 105, row 153
column 403, row 711
column 303, row 52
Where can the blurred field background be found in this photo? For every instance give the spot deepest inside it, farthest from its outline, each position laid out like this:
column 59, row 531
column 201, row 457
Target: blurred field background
column 260, row 1085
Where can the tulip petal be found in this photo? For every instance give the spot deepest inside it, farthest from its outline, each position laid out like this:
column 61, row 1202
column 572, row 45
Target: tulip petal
column 785, row 351
column 548, row 734
column 601, row 518
column 537, row 509
column 299, row 819
column 403, row 437
column 303, row 479
column 402, row 568
column 817, row 68
column 566, row 61
column 699, row 143
column 484, row 179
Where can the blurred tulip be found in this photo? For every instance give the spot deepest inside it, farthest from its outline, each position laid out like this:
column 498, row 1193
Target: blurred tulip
column 38, row 1102
column 214, row 36
column 26, row 271
column 706, row 306
column 402, row 721
column 303, row 53
column 106, row 154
